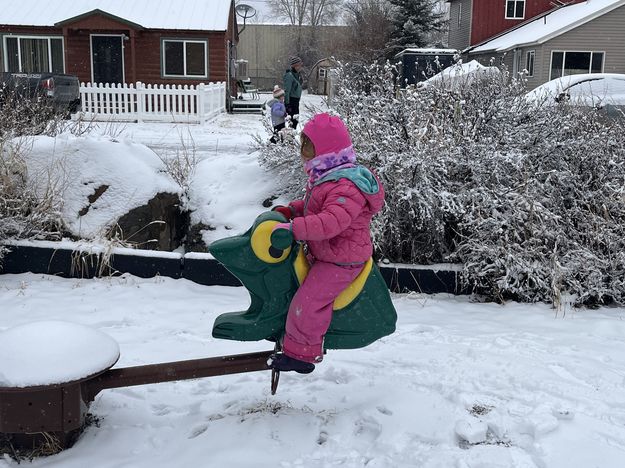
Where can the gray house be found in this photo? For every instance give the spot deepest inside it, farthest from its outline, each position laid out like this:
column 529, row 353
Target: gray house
column 586, row 37
column 267, row 48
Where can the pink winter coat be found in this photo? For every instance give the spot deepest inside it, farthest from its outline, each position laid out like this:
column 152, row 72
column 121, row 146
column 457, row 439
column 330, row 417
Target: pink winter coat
column 334, row 218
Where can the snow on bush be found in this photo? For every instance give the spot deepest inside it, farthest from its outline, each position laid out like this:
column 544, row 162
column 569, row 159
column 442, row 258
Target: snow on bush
column 530, row 199
column 26, row 211
column 282, row 158
column 31, row 202
column 72, row 186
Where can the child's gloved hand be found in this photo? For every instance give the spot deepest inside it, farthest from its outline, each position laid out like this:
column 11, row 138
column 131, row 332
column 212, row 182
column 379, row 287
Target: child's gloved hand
column 284, row 211
column 282, row 236
column 283, row 226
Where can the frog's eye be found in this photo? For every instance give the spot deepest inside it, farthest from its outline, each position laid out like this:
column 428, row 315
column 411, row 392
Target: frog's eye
column 261, row 244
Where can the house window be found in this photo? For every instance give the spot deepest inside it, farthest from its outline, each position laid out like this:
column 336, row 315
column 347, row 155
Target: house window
column 515, row 9
column 323, row 73
column 185, row 59
column 459, row 14
column 33, row 54
column 529, row 62
column 574, row 63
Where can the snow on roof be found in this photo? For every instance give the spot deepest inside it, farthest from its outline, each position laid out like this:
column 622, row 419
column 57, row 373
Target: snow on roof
column 427, row 51
column 551, row 25
column 205, row 15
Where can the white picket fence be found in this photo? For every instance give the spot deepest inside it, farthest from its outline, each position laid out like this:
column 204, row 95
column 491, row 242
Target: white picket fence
column 162, row 103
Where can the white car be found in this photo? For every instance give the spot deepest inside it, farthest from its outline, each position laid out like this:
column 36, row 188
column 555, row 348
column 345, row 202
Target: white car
column 598, row 90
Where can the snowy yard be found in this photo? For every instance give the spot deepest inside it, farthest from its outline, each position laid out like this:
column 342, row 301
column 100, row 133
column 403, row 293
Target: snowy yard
column 528, row 386
column 460, row 384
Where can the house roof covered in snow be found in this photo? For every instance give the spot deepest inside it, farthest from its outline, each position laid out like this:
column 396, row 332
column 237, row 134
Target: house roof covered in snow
column 549, row 25
column 202, row 15
column 428, row 51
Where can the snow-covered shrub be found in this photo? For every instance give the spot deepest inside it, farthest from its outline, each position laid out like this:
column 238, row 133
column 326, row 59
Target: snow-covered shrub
column 25, row 211
column 283, row 159
column 181, row 164
column 530, row 199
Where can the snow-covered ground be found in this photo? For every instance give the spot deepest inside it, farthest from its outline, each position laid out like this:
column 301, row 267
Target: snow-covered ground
column 527, row 386
column 460, row 384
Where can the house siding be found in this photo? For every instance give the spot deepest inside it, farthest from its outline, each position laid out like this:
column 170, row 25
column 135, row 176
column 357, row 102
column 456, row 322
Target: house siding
column 490, row 16
column 604, row 34
column 539, row 64
column 496, row 59
column 147, row 58
column 460, row 34
column 25, row 31
column 267, row 48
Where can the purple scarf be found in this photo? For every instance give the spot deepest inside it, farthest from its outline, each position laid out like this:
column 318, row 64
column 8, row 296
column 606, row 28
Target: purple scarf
column 324, row 164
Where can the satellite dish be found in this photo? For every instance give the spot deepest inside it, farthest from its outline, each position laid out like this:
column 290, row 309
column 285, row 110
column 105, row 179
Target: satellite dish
column 245, row 11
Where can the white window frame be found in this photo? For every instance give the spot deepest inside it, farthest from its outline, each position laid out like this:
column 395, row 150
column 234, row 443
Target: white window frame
column 184, row 58
column 459, row 15
column 515, row 2
column 530, row 70
column 5, row 62
column 121, row 38
column 322, row 73
column 564, row 52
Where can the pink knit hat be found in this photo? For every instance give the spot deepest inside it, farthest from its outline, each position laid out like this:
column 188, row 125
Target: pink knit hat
column 328, row 133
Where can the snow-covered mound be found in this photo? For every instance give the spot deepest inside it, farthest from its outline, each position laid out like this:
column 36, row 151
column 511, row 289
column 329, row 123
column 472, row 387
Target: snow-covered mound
column 227, row 194
column 460, row 74
column 98, row 178
column 52, row 352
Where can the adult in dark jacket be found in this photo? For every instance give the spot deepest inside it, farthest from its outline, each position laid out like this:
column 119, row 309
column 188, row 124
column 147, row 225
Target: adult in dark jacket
column 293, row 89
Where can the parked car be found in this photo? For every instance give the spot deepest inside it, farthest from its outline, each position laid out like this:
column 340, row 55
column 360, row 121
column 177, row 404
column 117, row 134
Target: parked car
column 604, row 91
column 60, row 92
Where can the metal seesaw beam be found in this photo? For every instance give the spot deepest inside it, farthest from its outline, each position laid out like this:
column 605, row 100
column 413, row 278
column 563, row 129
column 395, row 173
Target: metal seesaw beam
column 178, row 370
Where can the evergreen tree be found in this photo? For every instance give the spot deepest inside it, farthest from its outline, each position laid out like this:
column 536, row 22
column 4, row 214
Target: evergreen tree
column 413, row 22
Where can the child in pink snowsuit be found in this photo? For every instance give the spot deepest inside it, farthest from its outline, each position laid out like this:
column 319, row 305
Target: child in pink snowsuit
column 334, row 220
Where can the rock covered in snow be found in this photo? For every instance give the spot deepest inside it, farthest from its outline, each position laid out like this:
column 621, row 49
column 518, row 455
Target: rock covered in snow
column 99, row 179
column 473, row 431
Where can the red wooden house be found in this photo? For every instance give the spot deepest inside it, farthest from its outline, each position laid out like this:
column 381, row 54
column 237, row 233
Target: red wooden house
column 121, row 41
column 474, row 21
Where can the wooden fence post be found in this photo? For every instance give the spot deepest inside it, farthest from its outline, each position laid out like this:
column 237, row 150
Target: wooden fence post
column 200, row 102
column 139, row 97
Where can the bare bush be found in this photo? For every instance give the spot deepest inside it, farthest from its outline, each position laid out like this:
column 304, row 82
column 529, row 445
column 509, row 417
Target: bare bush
column 182, row 162
column 530, row 199
column 30, row 203
column 283, row 159
column 30, row 200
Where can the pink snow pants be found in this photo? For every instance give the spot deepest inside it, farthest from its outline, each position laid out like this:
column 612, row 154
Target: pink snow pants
column 310, row 312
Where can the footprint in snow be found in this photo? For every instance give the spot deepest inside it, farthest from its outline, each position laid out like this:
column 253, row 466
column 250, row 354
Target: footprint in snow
column 368, row 427
column 161, row 409
column 199, row 430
